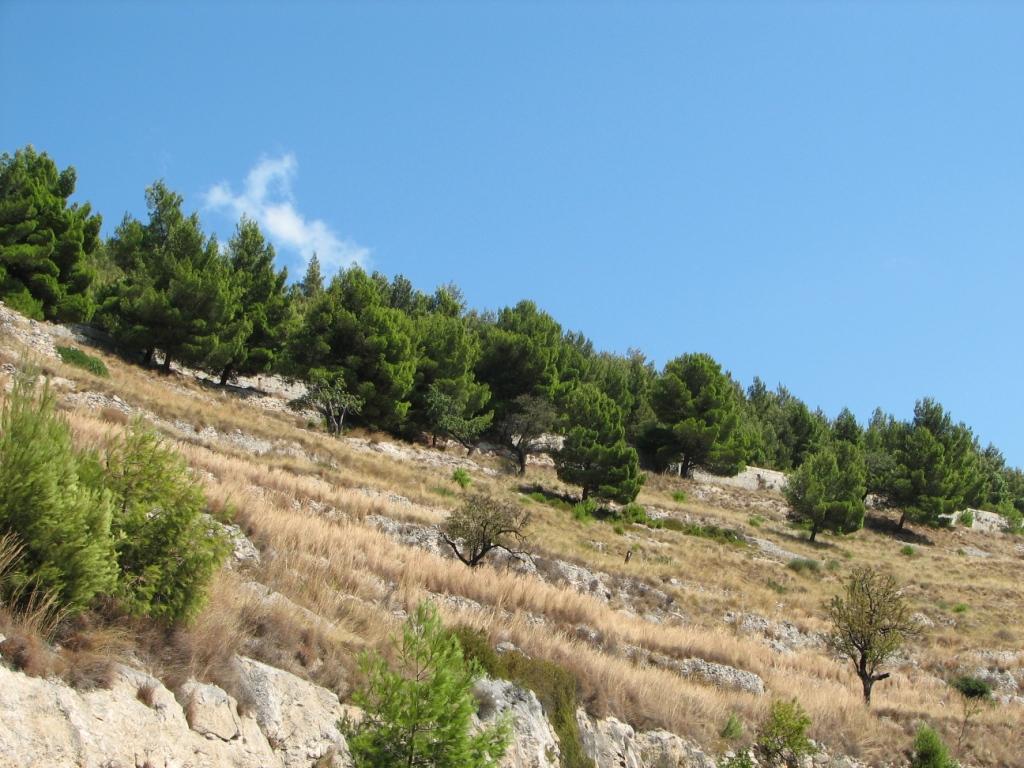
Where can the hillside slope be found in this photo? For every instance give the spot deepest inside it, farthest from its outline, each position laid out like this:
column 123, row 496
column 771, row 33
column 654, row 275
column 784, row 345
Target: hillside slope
column 336, row 542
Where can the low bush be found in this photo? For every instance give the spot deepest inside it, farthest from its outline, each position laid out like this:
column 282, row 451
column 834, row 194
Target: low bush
column 908, row 551
column 804, row 565
column 930, row 751
column 679, row 496
column 713, row 532
column 461, row 478
column 733, row 728
column 960, row 608
column 584, row 511
column 755, row 521
column 966, row 518
column 76, row 357
column 782, row 737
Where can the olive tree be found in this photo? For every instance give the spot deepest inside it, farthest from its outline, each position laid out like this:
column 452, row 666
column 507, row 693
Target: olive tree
column 483, row 523
column 870, row 623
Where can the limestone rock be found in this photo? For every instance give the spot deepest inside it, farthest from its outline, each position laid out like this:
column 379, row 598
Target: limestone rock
column 610, row 743
column 533, row 744
column 210, row 712
column 298, row 718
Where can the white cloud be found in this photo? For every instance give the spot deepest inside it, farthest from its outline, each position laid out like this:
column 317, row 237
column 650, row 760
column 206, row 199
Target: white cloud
column 267, row 198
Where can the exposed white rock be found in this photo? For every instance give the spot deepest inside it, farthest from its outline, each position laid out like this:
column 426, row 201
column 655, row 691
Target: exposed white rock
column 610, row 743
column 299, row 719
column 533, row 744
column 210, row 711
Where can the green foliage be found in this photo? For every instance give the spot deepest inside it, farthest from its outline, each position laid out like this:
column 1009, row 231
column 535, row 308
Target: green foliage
column 462, row 478
column 45, row 244
column 971, row 687
column 698, row 410
column 733, row 728
column 526, row 421
column 327, row 394
column 709, row 531
column 739, row 760
column 827, row 491
column 450, row 414
column 354, row 336
column 78, row 358
column 595, row 455
column 679, row 497
column 419, row 711
column 870, row 623
column 177, row 293
column 783, row 734
column 781, row 429
column 51, row 501
column 966, row 518
column 262, row 313
column 483, row 523
column 908, row 550
column 755, row 521
column 804, row 565
column 960, row 608
column 167, row 549
column 556, row 688
column 584, row 511
column 930, row 751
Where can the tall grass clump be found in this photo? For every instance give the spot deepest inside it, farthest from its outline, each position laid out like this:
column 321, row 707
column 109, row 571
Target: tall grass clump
column 76, row 357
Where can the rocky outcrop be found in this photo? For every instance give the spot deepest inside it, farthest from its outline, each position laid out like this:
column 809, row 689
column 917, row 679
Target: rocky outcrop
column 135, row 722
column 533, row 743
column 611, row 743
column 299, row 719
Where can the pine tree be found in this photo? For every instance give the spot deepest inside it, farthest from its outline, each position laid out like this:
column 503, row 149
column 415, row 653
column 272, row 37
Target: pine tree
column 698, row 411
column 44, row 242
column 418, row 714
column 177, row 294
column 826, row 493
column 167, row 549
column 595, row 455
column 262, row 308
column 50, row 500
column 312, row 284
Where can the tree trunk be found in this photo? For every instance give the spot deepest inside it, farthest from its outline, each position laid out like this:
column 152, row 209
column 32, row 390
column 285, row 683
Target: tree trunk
column 147, row 359
column 225, row 375
column 586, row 493
column 903, row 519
column 521, row 454
column 867, row 681
column 814, row 532
column 166, row 367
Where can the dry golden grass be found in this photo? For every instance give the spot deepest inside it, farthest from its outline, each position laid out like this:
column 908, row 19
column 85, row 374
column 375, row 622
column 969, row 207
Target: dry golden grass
column 340, row 586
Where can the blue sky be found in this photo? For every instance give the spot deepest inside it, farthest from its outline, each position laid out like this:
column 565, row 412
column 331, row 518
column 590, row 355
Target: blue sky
column 826, row 195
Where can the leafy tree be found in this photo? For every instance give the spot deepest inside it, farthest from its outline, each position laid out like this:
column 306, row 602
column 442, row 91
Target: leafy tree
column 484, row 523
column 870, row 623
column 45, row 244
column 50, row 500
column 418, row 714
column 783, row 734
column 595, row 455
column 262, row 309
column 698, row 413
column 447, row 414
column 350, row 332
column 177, row 294
column 846, row 429
column 826, row 493
column 167, row 549
column 327, row 394
column 524, row 426
column 929, row 751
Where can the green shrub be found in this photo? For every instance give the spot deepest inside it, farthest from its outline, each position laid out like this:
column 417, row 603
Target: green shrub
column 739, row 760
column 804, row 565
column 440, row 490
column 619, row 529
column 461, row 478
column 966, row 518
column 76, row 357
column 584, row 511
column 908, row 551
column 733, row 728
column 555, row 687
column 832, row 564
column 167, row 549
column 51, row 501
column 679, row 496
column 420, row 712
column 775, row 586
column 755, row 520
column 930, row 751
column 713, row 532
column 971, row 687
column 783, row 734
column 960, row 608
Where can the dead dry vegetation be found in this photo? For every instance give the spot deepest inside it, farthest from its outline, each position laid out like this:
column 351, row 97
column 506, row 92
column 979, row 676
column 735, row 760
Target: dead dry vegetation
column 328, row 585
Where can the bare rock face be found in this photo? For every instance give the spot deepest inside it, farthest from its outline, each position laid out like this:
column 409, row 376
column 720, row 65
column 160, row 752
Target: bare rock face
column 46, row 723
column 533, row 744
column 610, row 743
column 298, row 718
column 210, row 711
